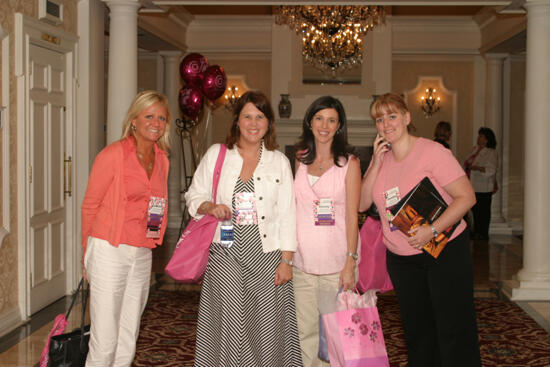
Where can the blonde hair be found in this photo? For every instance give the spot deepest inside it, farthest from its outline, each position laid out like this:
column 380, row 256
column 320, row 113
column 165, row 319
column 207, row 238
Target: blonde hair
column 142, row 101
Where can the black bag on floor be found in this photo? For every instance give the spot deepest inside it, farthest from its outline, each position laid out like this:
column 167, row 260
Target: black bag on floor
column 71, row 349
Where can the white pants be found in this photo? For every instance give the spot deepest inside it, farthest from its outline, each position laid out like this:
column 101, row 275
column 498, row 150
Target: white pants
column 119, row 286
column 311, row 292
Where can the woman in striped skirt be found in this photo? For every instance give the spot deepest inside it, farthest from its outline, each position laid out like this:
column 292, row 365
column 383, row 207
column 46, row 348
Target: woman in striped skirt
column 247, row 315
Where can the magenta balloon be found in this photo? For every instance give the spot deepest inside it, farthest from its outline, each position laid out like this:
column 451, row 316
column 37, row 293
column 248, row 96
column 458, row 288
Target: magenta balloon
column 214, row 82
column 190, row 101
column 192, row 68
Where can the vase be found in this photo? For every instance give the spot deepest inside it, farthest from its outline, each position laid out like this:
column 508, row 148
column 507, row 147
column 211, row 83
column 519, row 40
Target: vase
column 285, row 107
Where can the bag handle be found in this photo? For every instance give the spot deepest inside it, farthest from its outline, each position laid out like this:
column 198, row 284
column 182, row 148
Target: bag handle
column 81, row 287
column 218, row 170
column 75, row 296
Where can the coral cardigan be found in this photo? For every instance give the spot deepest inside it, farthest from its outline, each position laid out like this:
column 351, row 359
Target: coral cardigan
column 104, row 203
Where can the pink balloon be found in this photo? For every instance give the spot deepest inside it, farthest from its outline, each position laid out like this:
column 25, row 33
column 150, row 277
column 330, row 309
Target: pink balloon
column 214, row 82
column 190, row 101
column 192, row 68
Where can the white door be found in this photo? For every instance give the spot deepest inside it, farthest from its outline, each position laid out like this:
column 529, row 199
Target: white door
column 46, row 154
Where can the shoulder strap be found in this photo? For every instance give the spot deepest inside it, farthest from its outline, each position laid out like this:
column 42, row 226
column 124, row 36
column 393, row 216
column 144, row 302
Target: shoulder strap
column 218, row 170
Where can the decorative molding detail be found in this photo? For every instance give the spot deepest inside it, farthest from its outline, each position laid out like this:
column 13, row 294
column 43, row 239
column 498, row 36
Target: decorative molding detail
column 9, row 320
column 452, row 35
column 5, row 228
column 232, row 35
column 442, row 90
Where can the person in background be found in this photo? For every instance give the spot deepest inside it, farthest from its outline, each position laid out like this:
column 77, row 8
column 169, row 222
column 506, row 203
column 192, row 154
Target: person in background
column 482, row 165
column 327, row 188
column 246, row 314
column 442, row 133
column 123, row 218
column 435, row 295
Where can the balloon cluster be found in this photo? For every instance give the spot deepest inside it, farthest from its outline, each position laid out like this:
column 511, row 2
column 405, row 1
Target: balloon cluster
column 201, row 81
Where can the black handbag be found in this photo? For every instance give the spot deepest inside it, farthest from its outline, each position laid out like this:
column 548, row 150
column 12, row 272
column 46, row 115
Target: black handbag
column 71, row 349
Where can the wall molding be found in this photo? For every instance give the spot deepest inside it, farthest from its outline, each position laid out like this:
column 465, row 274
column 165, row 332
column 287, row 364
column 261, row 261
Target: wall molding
column 9, row 320
column 5, row 228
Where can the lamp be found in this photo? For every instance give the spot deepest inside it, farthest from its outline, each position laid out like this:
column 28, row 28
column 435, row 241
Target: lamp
column 331, row 35
column 231, row 97
column 430, row 103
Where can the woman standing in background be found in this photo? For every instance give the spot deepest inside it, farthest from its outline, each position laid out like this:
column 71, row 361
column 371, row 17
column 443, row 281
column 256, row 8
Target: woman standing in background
column 481, row 166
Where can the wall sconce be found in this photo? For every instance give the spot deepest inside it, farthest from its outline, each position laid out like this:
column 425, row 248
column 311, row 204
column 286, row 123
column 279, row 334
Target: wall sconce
column 430, row 103
column 231, row 97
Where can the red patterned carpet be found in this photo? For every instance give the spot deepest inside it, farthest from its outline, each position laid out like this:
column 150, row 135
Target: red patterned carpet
column 508, row 336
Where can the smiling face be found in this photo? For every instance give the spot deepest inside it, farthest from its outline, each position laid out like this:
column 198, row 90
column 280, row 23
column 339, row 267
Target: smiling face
column 252, row 124
column 324, row 125
column 150, row 124
column 392, row 124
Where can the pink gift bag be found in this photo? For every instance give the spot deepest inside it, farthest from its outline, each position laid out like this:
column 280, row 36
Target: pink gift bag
column 373, row 273
column 354, row 334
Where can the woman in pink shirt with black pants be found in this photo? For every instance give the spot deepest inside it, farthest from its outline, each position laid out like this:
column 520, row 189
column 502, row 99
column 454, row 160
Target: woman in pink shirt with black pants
column 435, row 295
column 124, row 215
column 327, row 188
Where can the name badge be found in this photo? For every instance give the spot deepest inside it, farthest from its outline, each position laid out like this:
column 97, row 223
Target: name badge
column 245, row 209
column 155, row 213
column 392, row 196
column 323, row 212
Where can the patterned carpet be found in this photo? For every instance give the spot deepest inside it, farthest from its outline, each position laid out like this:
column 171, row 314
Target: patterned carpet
column 508, row 336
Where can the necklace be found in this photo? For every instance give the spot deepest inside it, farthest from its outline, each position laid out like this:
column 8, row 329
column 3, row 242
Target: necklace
column 142, row 159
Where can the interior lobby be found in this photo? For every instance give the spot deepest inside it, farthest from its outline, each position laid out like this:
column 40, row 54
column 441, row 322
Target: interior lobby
column 68, row 77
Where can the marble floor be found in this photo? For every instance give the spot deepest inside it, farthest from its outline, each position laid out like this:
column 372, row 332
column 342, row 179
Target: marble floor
column 494, row 262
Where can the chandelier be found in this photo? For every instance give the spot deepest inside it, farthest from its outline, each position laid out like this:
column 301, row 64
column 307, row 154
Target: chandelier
column 430, row 103
column 331, row 35
column 232, row 95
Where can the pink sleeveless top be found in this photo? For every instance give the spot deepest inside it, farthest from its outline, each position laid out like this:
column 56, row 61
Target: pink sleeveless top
column 321, row 249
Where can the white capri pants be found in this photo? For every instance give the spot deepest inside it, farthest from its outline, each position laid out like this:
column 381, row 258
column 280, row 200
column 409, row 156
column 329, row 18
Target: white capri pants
column 119, row 280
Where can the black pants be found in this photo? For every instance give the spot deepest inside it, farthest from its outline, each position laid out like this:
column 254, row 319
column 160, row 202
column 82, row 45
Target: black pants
column 482, row 214
column 437, row 306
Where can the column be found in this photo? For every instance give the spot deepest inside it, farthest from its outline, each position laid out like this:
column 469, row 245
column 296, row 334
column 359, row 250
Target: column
column 494, row 120
column 122, row 77
column 534, row 277
column 171, row 89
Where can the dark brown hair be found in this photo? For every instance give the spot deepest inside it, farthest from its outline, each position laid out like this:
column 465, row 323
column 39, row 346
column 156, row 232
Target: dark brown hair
column 260, row 101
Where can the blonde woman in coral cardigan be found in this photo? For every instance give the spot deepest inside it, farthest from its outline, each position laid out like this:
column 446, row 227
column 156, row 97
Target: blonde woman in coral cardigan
column 123, row 218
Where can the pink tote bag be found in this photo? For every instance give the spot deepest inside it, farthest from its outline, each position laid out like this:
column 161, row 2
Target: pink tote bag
column 188, row 263
column 354, row 334
column 373, row 273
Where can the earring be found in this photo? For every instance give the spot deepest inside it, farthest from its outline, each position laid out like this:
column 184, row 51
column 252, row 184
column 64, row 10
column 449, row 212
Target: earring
column 134, row 127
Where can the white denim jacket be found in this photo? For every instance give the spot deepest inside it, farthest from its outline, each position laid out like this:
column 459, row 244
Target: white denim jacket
column 273, row 184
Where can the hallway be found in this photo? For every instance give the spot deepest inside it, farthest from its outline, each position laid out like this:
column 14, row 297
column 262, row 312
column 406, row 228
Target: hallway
column 493, row 262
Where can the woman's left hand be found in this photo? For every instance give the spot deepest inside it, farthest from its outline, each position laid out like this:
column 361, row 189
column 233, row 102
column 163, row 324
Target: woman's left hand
column 347, row 276
column 283, row 274
column 420, row 236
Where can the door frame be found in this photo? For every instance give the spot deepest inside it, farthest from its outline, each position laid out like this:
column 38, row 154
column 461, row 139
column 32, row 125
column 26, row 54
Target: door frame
column 30, row 31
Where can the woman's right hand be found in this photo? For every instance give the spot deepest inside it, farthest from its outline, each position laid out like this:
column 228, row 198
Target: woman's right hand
column 220, row 211
column 380, row 146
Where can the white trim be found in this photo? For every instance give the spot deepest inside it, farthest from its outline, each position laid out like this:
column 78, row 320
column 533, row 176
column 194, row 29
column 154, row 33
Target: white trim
column 9, row 320
column 30, row 31
column 5, row 228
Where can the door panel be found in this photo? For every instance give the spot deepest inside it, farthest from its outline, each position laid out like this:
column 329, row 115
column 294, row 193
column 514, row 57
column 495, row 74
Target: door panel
column 46, row 153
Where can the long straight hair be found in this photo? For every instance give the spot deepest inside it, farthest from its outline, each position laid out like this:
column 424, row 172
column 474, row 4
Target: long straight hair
column 306, row 151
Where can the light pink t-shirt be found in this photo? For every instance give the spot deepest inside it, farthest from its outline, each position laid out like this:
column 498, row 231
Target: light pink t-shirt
column 426, row 159
column 321, row 249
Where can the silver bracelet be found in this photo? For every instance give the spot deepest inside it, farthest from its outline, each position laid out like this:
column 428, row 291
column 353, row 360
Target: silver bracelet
column 288, row 262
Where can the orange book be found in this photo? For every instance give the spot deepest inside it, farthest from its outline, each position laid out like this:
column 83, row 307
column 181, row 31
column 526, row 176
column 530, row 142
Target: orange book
column 421, row 207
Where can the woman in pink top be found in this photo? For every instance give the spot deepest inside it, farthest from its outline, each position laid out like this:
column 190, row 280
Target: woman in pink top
column 327, row 188
column 435, row 295
column 123, row 218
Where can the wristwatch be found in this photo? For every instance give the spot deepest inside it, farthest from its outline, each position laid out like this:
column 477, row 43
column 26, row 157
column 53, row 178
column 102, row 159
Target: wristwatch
column 434, row 231
column 288, row 262
column 353, row 255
